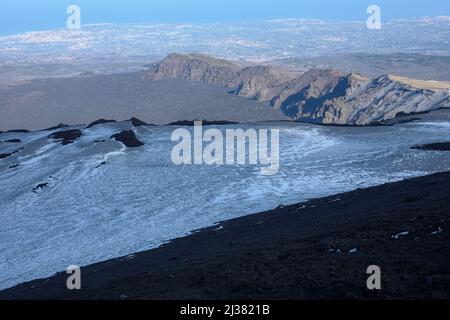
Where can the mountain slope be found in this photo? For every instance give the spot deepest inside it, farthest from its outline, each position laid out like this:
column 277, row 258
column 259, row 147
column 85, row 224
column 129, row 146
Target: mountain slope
column 256, row 81
column 325, row 96
column 194, row 67
column 377, row 100
column 196, row 86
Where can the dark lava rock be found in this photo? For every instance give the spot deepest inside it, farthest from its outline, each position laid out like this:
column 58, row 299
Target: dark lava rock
column 5, row 155
column 59, row 126
column 18, row 131
column 13, row 141
column 138, row 123
column 442, row 146
column 14, row 166
column 127, row 138
column 99, row 121
column 101, row 164
column 40, row 186
column 67, row 137
column 204, row 122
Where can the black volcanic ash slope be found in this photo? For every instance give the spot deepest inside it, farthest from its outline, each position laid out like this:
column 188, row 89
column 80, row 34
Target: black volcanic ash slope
column 319, row 249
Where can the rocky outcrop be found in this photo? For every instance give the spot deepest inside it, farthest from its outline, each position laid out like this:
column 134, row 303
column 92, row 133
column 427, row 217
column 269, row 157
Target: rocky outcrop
column 66, row 137
column 194, row 67
column 329, row 96
column 381, row 99
column 135, row 122
column 439, row 146
column 301, row 96
column 190, row 123
column 255, row 81
column 18, row 131
column 59, row 126
column 128, row 138
column 5, row 155
column 13, row 141
column 39, row 187
column 99, row 121
column 247, row 81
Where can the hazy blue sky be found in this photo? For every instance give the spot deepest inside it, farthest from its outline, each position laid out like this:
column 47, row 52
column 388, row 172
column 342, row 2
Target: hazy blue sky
column 27, row 15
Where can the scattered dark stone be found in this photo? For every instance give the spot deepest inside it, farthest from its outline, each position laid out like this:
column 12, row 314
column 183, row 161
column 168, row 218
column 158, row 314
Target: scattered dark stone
column 101, row 164
column 411, row 198
column 5, row 155
column 59, row 126
column 190, row 123
column 13, row 141
column 128, row 138
column 40, row 186
column 99, row 141
column 440, row 146
column 14, row 166
column 99, row 121
column 18, row 131
column 138, row 123
column 67, row 137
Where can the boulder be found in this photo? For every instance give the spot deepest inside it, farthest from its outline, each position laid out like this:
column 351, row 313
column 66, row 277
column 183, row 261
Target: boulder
column 128, row 138
column 66, row 137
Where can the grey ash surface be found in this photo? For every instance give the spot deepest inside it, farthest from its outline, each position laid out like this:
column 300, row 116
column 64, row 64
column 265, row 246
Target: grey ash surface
column 122, row 96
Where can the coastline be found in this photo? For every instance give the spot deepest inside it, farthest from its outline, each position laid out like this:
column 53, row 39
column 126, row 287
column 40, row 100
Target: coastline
column 319, row 249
